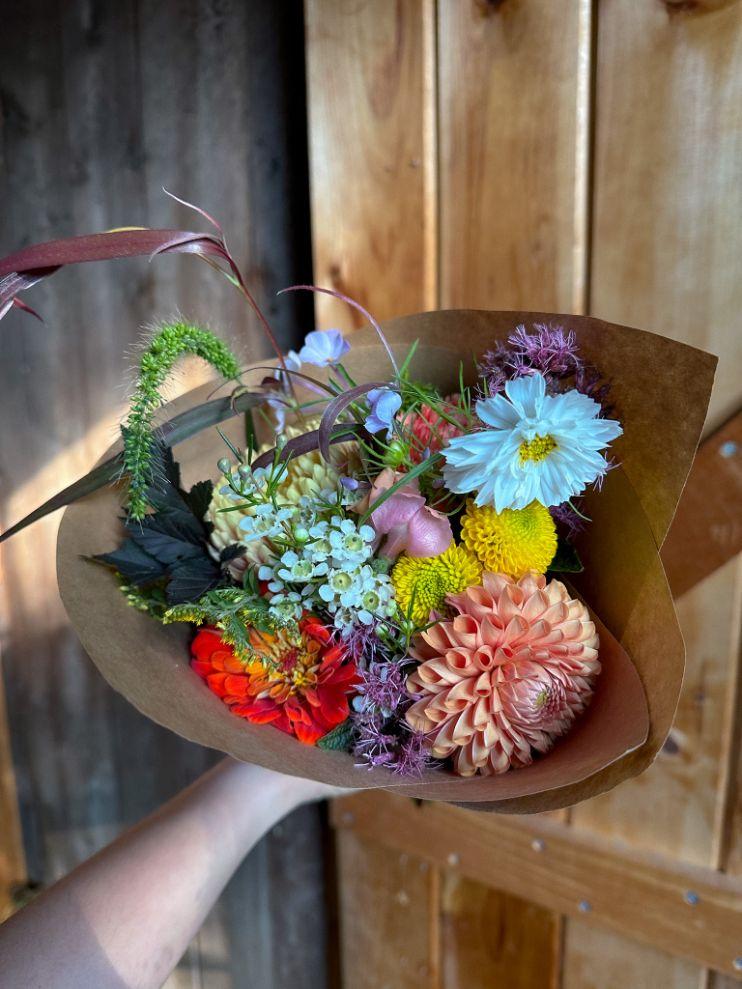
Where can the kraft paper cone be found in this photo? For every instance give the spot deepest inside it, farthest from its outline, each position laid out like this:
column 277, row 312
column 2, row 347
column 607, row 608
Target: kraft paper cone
column 660, row 390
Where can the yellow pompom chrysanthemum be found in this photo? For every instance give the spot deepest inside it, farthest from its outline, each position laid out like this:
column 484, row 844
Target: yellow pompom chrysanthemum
column 511, row 542
column 422, row 583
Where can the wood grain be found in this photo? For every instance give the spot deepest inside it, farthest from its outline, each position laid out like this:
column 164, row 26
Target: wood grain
column 667, row 190
column 707, row 528
column 666, row 186
column 385, row 902
column 564, row 869
column 101, row 105
column 480, row 946
column 513, row 124
column 600, row 959
column 371, row 155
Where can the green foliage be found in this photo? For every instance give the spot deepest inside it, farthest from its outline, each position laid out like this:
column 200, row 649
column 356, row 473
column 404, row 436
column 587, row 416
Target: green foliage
column 339, row 739
column 566, row 559
column 170, row 545
column 150, row 599
column 233, row 610
column 172, row 341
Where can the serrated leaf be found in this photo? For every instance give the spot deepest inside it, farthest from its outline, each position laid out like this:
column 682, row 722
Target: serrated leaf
column 339, row 739
column 165, row 548
column 231, row 552
column 199, row 498
column 133, row 563
column 192, row 579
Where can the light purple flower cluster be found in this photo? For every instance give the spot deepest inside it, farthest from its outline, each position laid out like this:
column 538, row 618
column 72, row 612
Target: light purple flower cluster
column 567, row 517
column 381, row 699
column 550, row 350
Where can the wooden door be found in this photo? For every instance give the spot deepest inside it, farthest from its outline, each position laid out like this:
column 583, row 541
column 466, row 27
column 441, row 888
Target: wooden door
column 577, row 157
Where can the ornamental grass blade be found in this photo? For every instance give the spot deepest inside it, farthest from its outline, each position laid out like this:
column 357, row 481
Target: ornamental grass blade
column 23, row 269
column 306, row 443
column 335, row 408
column 172, row 432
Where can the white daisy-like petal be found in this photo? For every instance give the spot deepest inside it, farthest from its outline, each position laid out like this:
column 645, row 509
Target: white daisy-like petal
column 497, row 412
column 527, row 394
column 539, row 447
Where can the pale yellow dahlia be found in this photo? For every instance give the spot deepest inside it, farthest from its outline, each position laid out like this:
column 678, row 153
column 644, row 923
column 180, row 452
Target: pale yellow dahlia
column 506, row 676
column 308, row 474
column 422, row 583
column 513, row 541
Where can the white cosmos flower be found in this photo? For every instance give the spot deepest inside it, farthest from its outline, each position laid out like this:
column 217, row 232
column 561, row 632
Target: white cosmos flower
column 538, row 447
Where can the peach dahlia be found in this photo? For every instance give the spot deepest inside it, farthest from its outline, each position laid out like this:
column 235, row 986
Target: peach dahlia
column 506, row 676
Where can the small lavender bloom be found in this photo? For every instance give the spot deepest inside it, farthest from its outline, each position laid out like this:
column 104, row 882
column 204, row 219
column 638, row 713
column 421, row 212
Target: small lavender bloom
column 375, row 746
column 566, row 516
column 493, row 369
column 550, row 349
column 412, row 756
column 323, row 347
column 362, row 643
column 385, row 404
column 382, row 687
column 349, row 483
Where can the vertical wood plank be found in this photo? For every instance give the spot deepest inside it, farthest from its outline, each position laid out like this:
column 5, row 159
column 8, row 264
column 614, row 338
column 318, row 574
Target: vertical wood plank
column 513, row 124
column 599, row 959
column 513, row 164
column 667, row 177
column 100, row 106
column 482, row 947
column 12, row 858
column 668, row 119
column 372, row 168
column 383, row 896
column 372, row 150
column 730, row 852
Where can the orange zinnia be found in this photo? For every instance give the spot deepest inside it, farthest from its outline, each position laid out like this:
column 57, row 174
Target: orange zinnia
column 297, row 681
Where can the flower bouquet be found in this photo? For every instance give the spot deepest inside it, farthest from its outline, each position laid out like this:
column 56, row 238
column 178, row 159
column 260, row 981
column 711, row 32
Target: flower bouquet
column 424, row 557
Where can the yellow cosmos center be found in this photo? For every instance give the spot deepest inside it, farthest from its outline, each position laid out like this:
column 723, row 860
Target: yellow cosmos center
column 537, row 449
column 422, row 583
column 511, row 542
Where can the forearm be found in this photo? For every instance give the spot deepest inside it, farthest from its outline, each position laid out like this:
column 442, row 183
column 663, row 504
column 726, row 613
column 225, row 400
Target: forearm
column 124, row 918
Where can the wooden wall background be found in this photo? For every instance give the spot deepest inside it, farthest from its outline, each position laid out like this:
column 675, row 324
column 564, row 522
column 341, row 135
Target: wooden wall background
column 572, row 156
column 100, row 105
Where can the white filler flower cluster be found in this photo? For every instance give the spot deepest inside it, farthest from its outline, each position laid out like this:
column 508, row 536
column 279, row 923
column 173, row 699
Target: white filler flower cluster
column 329, row 566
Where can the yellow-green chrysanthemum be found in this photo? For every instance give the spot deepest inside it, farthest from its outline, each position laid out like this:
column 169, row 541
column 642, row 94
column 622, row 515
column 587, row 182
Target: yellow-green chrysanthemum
column 422, row 583
column 307, row 474
column 511, row 542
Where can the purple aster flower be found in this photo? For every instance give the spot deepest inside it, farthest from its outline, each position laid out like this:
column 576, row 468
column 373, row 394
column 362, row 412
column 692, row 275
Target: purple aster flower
column 323, row 347
column 385, row 404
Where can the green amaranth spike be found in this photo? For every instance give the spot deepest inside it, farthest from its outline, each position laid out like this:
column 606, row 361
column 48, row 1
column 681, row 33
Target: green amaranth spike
column 172, row 341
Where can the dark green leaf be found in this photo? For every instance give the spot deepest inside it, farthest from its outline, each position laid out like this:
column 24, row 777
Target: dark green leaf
column 231, row 553
column 199, row 498
column 339, row 739
column 133, row 563
column 191, row 579
column 566, row 559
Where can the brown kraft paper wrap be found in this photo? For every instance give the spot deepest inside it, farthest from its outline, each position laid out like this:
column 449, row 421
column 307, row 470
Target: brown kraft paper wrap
column 659, row 392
